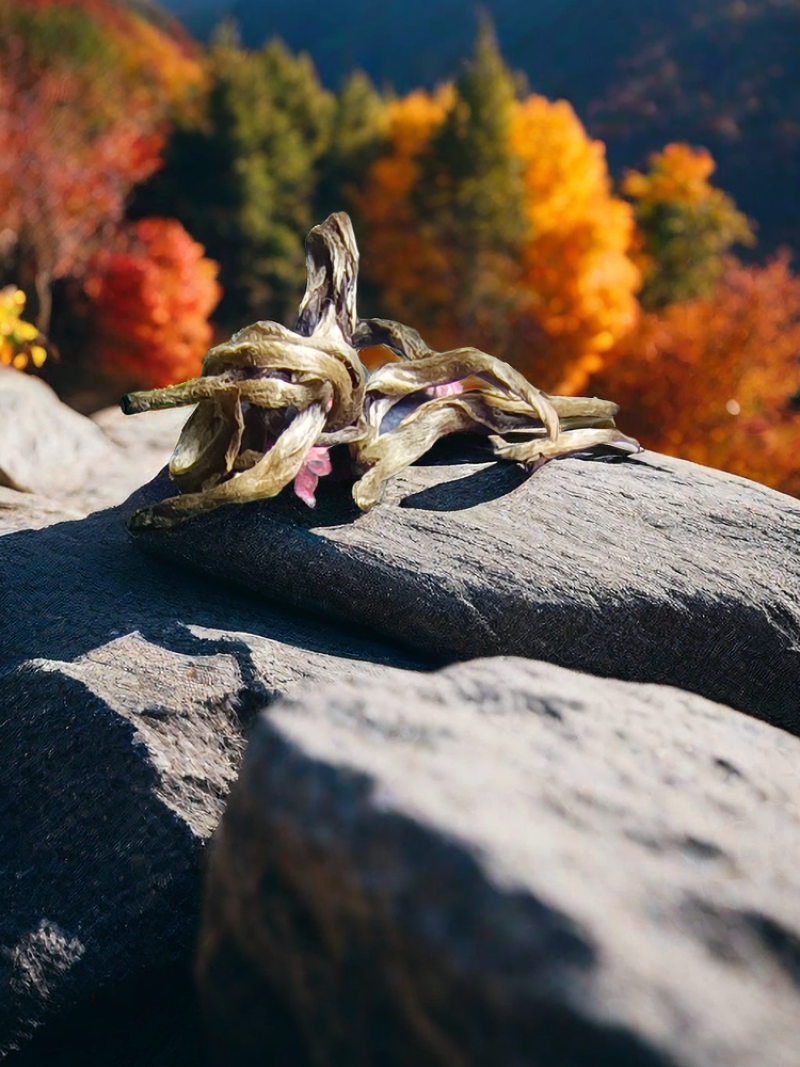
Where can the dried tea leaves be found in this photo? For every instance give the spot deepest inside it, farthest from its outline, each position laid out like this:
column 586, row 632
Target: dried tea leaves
column 272, row 401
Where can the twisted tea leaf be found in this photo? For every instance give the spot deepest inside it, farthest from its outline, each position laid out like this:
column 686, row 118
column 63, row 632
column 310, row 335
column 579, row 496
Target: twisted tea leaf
column 272, row 401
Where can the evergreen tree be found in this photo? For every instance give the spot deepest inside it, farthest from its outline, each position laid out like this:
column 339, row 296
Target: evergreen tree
column 470, row 196
column 359, row 133
column 243, row 180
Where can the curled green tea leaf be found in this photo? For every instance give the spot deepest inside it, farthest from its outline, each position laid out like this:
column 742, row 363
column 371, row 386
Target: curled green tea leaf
column 272, row 401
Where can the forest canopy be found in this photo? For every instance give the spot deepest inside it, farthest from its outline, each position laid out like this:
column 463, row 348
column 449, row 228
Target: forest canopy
column 155, row 193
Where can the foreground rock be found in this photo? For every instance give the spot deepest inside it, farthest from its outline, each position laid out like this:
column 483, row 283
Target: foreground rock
column 125, row 692
column 650, row 569
column 507, row 863
column 49, row 450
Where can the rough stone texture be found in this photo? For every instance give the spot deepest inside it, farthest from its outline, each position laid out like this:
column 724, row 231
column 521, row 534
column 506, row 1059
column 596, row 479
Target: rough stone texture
column 507, row 863
column 87, row 464
column 27, row 511
column 157, row 433
column 45, row 447
column 647, row 569
column 125, row 687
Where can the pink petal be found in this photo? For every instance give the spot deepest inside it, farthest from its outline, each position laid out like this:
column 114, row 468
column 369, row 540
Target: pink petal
column 447, row 389
column 318, row 460
column 304, row 486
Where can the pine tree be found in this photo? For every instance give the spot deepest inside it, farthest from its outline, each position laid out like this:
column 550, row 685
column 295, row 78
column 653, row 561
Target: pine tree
column 359, row 134
column 243, row 180
column 469, row 198
column 472, row 176
column 492, row 221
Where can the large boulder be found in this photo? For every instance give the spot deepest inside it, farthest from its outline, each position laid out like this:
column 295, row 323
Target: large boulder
column 126, row 690
column 49, row 450
column 647, row 569
column 45, row 447
column 507, row 863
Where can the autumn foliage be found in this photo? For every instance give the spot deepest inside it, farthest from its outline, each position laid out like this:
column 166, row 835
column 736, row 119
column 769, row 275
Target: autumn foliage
column 687, row 227
column 407, row 266
column 580, row 281
column 717, row 380
column 86, row 93
column 485, row 216
column 151, row 292
column 549, row 300
column 21, row 344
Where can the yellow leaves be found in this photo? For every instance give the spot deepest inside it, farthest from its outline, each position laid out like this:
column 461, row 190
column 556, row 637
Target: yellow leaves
column 679, row 174
column 171, row 65
column 16, row 334
column 414, row 119
column 26, row 331
column 577, row 282
column 576, row 262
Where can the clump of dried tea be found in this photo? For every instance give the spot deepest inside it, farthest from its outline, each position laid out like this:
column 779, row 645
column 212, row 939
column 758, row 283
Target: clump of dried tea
column 272, row 401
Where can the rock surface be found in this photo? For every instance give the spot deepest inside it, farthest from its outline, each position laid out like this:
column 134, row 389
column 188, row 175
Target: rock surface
column 125, row 691
column 87, row 464
column 649, row 569
column 28, row 511
column 507, row 863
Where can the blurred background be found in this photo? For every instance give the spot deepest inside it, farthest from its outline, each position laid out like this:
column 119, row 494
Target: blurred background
column 606, row 195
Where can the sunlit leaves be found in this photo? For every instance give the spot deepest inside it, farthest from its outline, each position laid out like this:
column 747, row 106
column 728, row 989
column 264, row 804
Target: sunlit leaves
column 578, row 274
column 151, row 292
column 21, row 344
column 687, row 226
column 85, row 92
column 717, row 380
column 552, row 302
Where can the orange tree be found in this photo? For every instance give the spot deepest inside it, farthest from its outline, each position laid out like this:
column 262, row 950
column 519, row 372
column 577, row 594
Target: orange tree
column 717, row 380
column 408, row 268
column 579, row 280
column 497, row 226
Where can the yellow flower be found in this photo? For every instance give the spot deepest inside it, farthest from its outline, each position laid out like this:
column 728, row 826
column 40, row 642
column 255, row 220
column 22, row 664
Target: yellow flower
column 26, row 331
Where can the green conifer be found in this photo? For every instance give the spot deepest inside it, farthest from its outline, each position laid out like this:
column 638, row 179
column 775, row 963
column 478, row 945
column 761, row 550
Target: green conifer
column 470, row 192
column 243, row 180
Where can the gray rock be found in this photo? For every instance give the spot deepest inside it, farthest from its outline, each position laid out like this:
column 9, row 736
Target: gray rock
column 125, row 690
column 45, row 447
column 507, row 863
column 50, row 450
column 27, row 511
column 156, row 433
column 649, row 569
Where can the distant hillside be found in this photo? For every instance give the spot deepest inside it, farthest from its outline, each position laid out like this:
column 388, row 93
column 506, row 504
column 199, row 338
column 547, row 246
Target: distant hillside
column 724, row 73
column 409, row 45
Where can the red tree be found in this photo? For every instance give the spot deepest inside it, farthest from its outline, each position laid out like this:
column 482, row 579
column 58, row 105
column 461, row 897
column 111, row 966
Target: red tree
column 151, row 292
column 83, row 115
